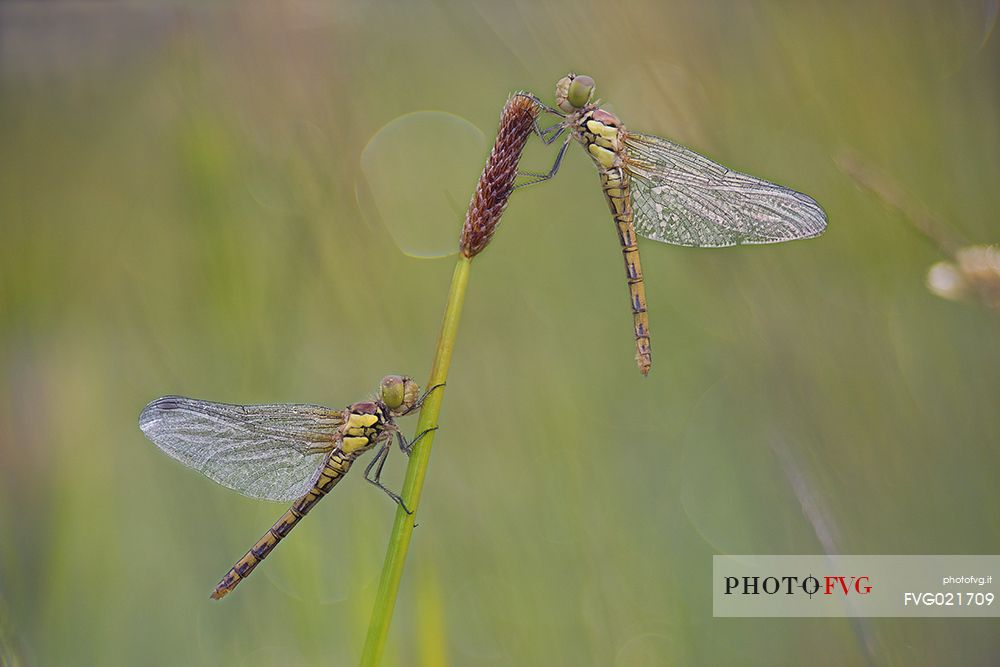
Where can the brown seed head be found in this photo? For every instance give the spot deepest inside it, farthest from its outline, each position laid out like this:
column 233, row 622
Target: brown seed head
column 497, row 181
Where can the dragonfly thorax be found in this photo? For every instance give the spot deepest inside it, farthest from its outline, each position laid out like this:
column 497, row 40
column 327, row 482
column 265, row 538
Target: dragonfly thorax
column 601, row 133
column 605, row 118
column 364, row 424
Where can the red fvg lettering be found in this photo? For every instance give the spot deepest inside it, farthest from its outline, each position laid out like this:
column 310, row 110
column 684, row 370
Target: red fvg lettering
column 858, row 584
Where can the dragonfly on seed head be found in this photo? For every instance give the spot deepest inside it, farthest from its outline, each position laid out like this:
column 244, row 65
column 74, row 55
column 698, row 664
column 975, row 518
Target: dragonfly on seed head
column 666, row 192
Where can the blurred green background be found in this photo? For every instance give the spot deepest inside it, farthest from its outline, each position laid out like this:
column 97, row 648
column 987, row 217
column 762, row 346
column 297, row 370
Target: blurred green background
column 214, row 201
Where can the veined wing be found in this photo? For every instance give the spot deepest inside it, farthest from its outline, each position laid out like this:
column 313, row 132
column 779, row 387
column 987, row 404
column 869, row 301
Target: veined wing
column 684, row 198
column 271, row 452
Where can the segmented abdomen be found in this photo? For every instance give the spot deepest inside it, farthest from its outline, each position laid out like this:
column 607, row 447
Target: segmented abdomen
column 336, row 466
column 615, row 182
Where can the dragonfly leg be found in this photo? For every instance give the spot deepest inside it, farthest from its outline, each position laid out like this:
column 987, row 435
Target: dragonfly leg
column 420, row 401
column 541, row 178
column 407, row 447
column 380, row 456
column 543, row 134
column 541, row 105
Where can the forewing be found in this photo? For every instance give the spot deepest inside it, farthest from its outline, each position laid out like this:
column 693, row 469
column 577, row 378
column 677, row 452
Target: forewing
column 272, row 452
column 684, row 198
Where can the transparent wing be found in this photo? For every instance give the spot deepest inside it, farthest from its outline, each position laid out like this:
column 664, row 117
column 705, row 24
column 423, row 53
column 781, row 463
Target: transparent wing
column 683, row 198
column 271, row 452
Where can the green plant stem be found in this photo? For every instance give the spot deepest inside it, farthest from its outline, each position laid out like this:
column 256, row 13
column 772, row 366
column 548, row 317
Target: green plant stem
column 402, row 529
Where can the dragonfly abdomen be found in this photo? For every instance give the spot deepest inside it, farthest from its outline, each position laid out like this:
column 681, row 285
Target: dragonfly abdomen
column 615, row 183
column 336, row 466
column 602, row 134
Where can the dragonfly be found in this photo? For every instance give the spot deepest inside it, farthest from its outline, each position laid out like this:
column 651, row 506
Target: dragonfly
column 666, row 192
column 282, row 452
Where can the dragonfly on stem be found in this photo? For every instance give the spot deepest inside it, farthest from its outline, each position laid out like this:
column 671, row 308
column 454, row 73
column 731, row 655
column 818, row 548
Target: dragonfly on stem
column 282, row 452
column 666, row 192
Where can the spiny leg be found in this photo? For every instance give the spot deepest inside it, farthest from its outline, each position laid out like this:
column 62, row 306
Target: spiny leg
column 541, row 105
column 558, row 128
column 407, row 447
column 541, row 178
column 383, row 453
column 420, row 401
column 383, row 457
column 555, row 131
column 379, row 458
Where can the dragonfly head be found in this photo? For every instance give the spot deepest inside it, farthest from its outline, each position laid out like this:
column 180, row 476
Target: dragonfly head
column 399, row 393
column 574, row 91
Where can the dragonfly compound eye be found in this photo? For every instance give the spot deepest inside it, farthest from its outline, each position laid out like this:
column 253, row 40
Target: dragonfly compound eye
column 574, row 91
column 392, row 391
column 581, row 89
